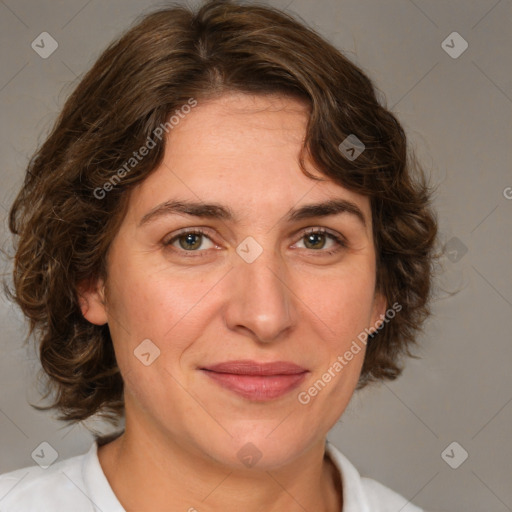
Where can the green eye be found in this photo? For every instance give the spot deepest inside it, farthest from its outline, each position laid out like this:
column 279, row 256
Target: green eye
column 189, row 241
column 316, row 239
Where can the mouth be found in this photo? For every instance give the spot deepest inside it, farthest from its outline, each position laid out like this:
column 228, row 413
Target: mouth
column 257, row 381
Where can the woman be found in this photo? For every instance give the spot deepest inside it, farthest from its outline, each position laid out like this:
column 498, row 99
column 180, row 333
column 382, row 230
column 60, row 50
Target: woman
column 221, row 239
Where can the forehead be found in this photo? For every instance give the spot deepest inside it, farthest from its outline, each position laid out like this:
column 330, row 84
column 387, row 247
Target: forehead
column 243, row 151
column 238, row 125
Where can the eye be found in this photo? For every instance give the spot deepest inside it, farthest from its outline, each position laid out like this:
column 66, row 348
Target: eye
column 189, row 240
column 316, row 239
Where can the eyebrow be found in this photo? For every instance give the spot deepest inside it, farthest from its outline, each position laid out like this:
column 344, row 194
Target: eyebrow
column 218, row 211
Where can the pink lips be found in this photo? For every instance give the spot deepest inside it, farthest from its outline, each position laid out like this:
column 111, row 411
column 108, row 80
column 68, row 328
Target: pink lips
column 257, row 381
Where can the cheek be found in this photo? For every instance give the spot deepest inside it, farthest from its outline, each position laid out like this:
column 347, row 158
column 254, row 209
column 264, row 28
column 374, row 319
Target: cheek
column 345, row 308
column 343, row 302
column 149, row 303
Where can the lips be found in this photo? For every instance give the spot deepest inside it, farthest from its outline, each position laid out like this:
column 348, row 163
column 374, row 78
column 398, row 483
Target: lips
column 257, row 381
column 244, row 367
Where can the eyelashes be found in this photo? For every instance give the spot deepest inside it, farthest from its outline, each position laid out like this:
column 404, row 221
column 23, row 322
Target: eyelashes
column 338, row 240
column 197, row 232
column 193, row 238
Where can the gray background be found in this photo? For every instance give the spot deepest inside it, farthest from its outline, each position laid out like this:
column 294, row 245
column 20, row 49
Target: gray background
column 457, row 112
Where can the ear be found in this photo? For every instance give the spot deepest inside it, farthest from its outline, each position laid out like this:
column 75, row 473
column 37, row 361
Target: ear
column 378, row 311
column 91, row 298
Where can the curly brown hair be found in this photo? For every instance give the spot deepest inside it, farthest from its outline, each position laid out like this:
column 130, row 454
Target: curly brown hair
column 64, row 228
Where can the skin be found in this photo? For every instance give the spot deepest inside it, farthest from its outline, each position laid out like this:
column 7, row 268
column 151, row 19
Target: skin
column 294, row 303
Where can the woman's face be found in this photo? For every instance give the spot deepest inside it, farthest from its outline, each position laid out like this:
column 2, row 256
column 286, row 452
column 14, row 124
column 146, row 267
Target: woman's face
column 256, row 286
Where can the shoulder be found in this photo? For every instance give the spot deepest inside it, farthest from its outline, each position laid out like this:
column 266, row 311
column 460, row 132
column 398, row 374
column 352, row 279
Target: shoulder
column 364, row 494
column 58, row 487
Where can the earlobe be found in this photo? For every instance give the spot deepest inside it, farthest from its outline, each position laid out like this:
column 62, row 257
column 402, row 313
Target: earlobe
column 91, row 299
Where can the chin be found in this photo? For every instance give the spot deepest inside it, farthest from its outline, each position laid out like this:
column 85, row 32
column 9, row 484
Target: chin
column 259, row 450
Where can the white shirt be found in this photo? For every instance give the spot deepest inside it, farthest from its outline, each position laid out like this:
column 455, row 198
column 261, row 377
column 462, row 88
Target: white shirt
column 78, row 484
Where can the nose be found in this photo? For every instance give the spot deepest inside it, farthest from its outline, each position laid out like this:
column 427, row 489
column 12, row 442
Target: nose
column 260, row 301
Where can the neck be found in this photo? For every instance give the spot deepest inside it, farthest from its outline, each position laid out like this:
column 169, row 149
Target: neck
column 154, row 473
